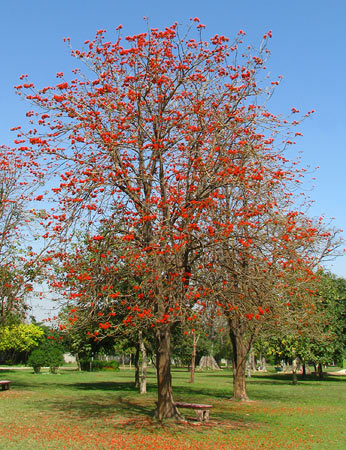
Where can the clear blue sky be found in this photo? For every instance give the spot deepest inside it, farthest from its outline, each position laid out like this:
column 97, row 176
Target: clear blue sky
column 308, row 48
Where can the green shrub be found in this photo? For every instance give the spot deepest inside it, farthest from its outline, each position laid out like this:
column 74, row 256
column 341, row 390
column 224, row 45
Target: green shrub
column 9, row 362
column 85, row 364
column 105, row 365
column 37, row 359
column 97, row 364
column 46, row 355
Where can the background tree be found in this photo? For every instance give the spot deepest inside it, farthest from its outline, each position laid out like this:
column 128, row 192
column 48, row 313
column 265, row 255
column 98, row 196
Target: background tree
column 265, row 270
column 314, row 340
column 20, row 265
column 17, row 340
column 333, row 292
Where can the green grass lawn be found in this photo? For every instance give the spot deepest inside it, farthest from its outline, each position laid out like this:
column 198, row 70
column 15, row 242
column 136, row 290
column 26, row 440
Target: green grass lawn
column 103, row 410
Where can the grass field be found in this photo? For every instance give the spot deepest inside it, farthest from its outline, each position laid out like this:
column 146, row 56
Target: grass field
column 103, row 410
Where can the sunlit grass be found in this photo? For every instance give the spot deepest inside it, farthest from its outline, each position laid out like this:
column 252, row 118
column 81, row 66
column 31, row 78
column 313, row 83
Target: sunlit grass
column 103, row 410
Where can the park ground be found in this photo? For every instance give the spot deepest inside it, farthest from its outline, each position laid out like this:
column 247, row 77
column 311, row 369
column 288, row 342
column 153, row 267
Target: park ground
column 102, row 410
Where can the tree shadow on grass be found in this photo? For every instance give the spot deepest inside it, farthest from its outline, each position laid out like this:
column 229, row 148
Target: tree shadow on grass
column 98, row 407
column 120, row 403
column 93, row 386
column 207, row 395
column 334, row 378
column 286, row 378
column 110, row 386
column 193, row 393
column 138, row 412
column 126, row 386
column 4, row 371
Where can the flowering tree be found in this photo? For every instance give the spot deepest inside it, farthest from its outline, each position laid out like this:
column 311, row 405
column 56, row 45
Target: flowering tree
column 148, row 143
column 19, row 264
column 265, row 270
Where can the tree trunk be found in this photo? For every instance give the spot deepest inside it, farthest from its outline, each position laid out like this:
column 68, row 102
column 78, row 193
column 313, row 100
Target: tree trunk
column 248, row 368
column 193, row 358
column 303, row 371
column 78, row 363
column 320, row 371
column 137, row 383
column 240, row 352
column 252, row 361
column 153, row 360
column 143, row 377
column 294, row 371
column 165, row 404
column 250, row 364
column 264, row 364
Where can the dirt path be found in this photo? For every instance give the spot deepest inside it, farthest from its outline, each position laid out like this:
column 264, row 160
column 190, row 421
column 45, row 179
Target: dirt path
column 339, row 372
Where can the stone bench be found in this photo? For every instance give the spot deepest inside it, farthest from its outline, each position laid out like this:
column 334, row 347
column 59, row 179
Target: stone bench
column 202, row 411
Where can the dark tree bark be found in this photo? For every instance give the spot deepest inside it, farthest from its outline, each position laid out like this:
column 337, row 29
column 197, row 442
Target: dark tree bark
column 241, row 349
column 320, row 371
column 165, row 404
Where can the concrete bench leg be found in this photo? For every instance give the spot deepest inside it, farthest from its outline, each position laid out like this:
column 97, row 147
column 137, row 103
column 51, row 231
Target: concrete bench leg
column 202, row 415
column 199, row 414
